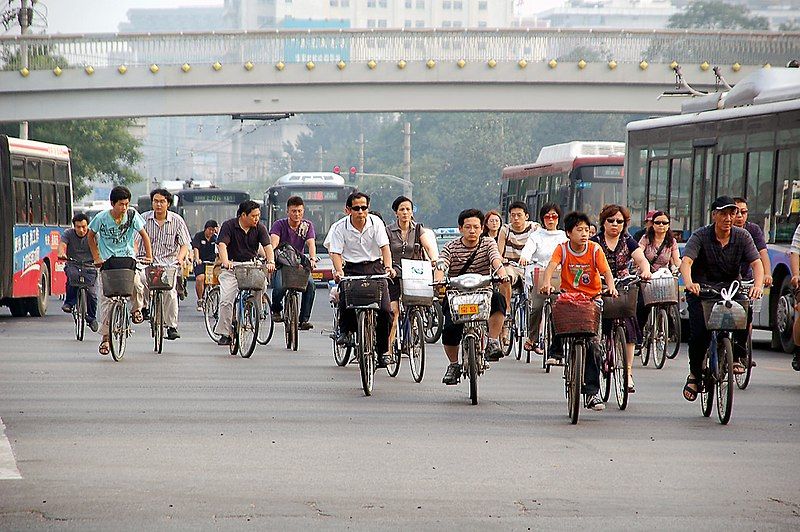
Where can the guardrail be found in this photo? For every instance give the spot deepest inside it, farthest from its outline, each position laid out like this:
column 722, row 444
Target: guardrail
column 332, row 46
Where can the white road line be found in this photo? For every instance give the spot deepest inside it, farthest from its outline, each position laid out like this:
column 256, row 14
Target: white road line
column 8, row 465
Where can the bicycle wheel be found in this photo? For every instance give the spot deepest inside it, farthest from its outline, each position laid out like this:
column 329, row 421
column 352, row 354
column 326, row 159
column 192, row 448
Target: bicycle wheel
column 707, row 395
column 576, row 360
column 434, row 320
column 724, row 380
column 517, row 330
column 648, row 333
column 157, row 322
column 507, row 334
column 211, row 312
column 674, row 337
column 620, row 368
column 364, row 351
column 471, row 352
column 79, row 314
column 416, row 343
column 267, row 326
column 658, row 337
column 606, row 370
column 248, row 328
column 290, row 317
column 341, row 353
column 117, row 329
column 743, row 379
column 546, row 335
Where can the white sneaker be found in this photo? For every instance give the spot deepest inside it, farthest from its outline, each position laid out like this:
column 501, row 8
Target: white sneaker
column 595, row 403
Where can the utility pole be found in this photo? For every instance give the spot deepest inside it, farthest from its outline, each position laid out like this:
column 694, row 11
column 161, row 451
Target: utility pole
column 319, row 157
column 24, row 23
column 361, row 152
column 407, row 151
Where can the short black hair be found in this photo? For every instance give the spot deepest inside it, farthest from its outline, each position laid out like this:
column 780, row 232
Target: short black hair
column 518, row 205
column 162, row 192
column 400, row 200
column 469, row 213
column 211, row 223
column 354, row 196
column 294, row 201
column 246, row 207
column 119, row 193
column 739, row 199
column 574, row 218
column 80, row 217
column 547, row 207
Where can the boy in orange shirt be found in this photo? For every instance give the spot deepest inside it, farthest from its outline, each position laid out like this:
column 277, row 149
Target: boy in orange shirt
column 582, row 262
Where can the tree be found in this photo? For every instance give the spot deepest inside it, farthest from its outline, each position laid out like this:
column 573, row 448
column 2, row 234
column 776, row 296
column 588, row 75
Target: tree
column 718, row 15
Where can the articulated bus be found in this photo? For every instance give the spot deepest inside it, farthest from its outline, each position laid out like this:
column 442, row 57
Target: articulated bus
column 745, row 142
column 578, row 175
column 198, row 204
column 35, row 209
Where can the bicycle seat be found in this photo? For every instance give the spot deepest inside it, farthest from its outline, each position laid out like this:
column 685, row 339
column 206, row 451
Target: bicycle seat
column 374, row 306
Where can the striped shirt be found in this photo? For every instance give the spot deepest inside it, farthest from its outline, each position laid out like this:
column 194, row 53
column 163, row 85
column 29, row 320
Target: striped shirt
column 166, row 238
column 795, row 247
column 515, row 241
column 455, row 254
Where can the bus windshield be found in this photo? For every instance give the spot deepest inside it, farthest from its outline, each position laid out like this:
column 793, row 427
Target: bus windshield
column 597, row 186
column 322, row 215
column 197, row 214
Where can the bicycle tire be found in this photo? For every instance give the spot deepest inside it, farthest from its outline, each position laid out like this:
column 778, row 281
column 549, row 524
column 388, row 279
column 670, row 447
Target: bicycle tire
column 117, row 334
column 416, row 343
column 507, row 334
column 290, row 319
column 658, row 341
column 621, row 368
column 341, row 353
column 606, row 370
column 211, row 312
column 648, row 333
column 364, row 351
column 516, row 329
column 743, row 379
column 248, row 328
column 522, row 328
column 577, row 358
column 675, row 332
column 724, row 380
column 547, row 335
column 707, row 395
column 267, row 327
column 470, row 350
column 79, row 314
column 434, row 321
column 158, row 322
column 396, row 348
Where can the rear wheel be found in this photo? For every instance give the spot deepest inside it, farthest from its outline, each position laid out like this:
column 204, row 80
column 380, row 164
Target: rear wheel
column 79, row 313
column 365, row 351
column 649, row 334
column 416, row 344
column 434, row 320
column 658, row 339
column 341, row 353
column 267, row 326
column 471, row 350
column 675, row 331
column 118, row 330
column 742, row 380
column 620, row 368
column 18, row 308
column 396, row 349
column 211, row 312
column 577, row 357
column 724, row 380
column 784, row 317
column 248, row 328
column 37, row 306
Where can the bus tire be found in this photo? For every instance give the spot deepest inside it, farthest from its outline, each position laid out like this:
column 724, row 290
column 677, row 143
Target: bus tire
column 783, row 316
column 18, row 308
column 37, row 306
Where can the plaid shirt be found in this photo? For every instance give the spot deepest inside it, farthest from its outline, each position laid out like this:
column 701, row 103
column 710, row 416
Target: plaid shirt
column 714, row 263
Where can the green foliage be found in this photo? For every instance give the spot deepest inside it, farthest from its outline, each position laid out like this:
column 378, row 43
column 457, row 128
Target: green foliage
column 718, row 15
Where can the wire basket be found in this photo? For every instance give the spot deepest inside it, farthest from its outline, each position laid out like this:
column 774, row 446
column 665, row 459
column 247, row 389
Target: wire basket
column 661, row 291
column 81, row 276
column 725, row 315
column 622, row 306
column 362, row 292
column 212, row 274
column 295, row 278
column 161, row 277
column 117, row 283
column 469, row 306
column 249, row 277
column 576, row 317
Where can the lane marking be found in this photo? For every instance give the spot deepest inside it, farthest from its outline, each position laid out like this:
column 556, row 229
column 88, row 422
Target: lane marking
column 8, row 465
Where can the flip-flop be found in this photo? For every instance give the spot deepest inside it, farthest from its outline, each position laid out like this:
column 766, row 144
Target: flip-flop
column 688, row 393
column 104, row 348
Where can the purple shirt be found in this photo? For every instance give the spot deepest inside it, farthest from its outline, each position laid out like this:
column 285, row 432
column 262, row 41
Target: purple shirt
column 295, row 238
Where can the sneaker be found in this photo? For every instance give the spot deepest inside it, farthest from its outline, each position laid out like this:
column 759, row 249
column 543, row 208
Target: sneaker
column 277, row 318
column 172, row 333
column 305, row 326
column 631, row 385
column 453, row 374
column 796, row 363
column 200, row 305
column 224, row 340
column 145, row 313
column 384, row 360
column 553, row 361
column 66, row 308
column 94, row 326
column 594, row 402
column 343, row 339
column 493, row 351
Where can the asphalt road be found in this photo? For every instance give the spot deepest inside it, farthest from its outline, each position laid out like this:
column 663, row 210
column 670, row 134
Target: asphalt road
column 197, row 439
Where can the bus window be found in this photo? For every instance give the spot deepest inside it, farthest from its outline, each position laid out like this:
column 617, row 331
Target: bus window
column 20, row 201
column 658, row 188
column 47, row 171
column 62, row 175
column 730, row 174
column 680, row 193
column 787, row 197
column 62, row 204
column 34, row 202
column 32, row 169
column 760, row 166
column 49, row 214
column 17, row 168
column 701, row 179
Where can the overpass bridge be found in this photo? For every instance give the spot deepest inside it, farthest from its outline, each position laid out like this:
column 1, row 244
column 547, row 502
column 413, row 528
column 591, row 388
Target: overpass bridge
column 139, row 75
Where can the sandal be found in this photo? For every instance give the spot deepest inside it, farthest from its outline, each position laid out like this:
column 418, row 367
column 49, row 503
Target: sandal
column 738, row 368
column 691, row 394
column 529, row 345
column 105, row 347
column 137, row 317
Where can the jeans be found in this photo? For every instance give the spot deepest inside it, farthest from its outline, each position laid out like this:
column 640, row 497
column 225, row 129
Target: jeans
column 278, row 293
column 71, row 299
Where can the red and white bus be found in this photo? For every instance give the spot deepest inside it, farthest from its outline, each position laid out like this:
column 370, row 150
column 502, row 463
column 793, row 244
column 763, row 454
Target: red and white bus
column 35, row 209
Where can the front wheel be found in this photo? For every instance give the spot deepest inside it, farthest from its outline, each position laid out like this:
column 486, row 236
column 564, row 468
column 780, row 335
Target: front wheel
column 575, row 374
column 365, row 351
column 649, row 334
column 707, row 395
column 211, row 312
column 724, row 380
column 620, row 368
column 79, row 314
column 118, row 330
column 434, row 321
column 157, row 323
column 471, row 352
column 290, row 317
column 247, row 328
column 416, row 344
column 396, row 349
column 341, row 353
column 675, row 331
column 658, row 337
column 743, row 379
column 267, row 326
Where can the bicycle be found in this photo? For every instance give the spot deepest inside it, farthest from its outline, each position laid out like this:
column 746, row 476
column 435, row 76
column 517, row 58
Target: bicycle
column 433, row 318
column 159, row 280
column 251, row 279
column 362, row 293
column 82, row 277
column 613, row 365
column 118, row 286
column 211, row 300
column 660, row 295
column 515, row 324
column 341, row 353
column 545, row 335
column 295, row 281
column 267, row 326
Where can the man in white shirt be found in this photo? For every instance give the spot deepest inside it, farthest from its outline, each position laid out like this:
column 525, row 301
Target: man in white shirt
column 359, row 245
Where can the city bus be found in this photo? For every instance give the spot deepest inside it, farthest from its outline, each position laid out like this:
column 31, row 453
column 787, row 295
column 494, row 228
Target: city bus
column 578, row 175
column 744, row 142
column 200, row 203
column 324, row 195
column 35, row 209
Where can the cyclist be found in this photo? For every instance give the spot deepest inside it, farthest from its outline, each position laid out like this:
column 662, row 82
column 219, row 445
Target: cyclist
column 111, row 236
column 537, row 251
column 794, row 263
column 407, row 240
column 582, row 263
column 472, row 253
column 492, row 224
column 74, row 246
column 511, row 240
column 713, row 255
column 298, row 233
column 240, row 239
column 170, row 241
column 204, row 249
column 620, row 248
column 358, row 245
column 648, row 223
column 758, row 239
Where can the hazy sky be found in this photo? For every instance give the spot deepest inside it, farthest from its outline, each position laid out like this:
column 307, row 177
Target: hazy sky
column 93, row 16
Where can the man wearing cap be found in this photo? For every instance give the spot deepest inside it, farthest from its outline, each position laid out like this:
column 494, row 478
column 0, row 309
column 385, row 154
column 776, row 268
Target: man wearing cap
column 648, row 223
column 713, row 256
column 204, row 249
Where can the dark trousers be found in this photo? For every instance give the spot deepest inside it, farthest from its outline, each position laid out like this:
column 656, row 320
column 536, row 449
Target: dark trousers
column 307, row 297
column 700, row 337
column 71, row 299
column 348, row 321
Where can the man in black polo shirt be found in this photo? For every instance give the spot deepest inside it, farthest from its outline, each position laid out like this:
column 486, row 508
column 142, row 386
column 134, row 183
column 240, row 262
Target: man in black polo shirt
column 713, row 256
column 240, row 240
column 204, row 249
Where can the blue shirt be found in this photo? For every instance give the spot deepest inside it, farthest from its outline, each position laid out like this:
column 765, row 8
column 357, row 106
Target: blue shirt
column 115, row 240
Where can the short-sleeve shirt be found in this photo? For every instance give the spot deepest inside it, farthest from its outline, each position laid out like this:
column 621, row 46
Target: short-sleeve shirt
column 580, row 272
column 410, row 248
column 714, row 263
column 77, row 247
column 515, row 241
column 619, row 257
column 795, row 247
column 116, row 240
column 358, row 246
column 206, row 247
column 657, row 259
column 166, row 238
column 242, row 246
column 294, row 237
column 760, row 242
column 455, row 255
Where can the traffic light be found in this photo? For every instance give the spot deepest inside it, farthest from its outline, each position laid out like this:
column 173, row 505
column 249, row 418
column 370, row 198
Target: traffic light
column 353, row 172
column 337, row 169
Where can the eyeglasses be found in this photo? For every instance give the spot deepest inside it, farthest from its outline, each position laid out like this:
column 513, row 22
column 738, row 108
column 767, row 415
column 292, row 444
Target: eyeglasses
column 550, row 215
column 358, row 208
column 615, row 221
column 743, row 211
column 661, row 223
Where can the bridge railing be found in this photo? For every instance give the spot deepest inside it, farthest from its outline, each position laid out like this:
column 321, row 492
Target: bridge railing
column 331, row 46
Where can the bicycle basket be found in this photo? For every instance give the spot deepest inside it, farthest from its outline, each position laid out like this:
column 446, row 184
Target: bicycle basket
column 249, row 277
column 117, row 283
column 725, row 315
column 661, row 291
column 160, row 277
column 295, row 278
column 212, row 275
column 81, row 276
column 469, row 306
column 575, row 317
column 623, row 306
column 362, row 292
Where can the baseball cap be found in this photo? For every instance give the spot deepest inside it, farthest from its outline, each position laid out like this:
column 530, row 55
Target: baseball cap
column 723, row 202
column 650, row 216
column 211, row 223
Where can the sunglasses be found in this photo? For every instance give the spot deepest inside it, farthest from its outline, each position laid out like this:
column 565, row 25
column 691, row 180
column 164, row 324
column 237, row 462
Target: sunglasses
column 661, row 223
column 550, row 216
column 615, row 221
column 358, row 208
column 743, row 211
